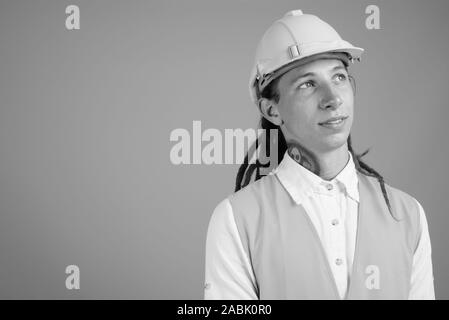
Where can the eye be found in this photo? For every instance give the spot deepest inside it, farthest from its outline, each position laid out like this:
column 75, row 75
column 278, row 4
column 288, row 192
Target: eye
column 306, row 85
column 341, row 77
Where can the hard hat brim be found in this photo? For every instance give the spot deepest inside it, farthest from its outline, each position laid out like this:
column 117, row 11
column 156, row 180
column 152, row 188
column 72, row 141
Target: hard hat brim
column 346, row 55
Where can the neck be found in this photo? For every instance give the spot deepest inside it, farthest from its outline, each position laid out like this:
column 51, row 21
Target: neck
column 327, row 164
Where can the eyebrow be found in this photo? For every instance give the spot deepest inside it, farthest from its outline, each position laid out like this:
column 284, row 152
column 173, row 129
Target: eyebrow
column 312, row 73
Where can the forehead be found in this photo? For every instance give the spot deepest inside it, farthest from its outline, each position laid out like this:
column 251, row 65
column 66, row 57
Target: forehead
column 317, row 67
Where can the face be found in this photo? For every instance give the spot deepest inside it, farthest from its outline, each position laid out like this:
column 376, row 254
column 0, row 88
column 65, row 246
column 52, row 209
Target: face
column 316, row 104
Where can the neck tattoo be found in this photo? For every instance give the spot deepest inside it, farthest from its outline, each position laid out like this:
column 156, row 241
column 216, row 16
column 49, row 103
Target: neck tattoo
column 303, row 156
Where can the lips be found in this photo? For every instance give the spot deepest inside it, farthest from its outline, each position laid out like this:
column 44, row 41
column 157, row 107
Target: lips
column 333, row 121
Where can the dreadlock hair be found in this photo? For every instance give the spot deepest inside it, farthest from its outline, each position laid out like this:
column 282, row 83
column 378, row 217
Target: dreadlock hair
column 246, row 171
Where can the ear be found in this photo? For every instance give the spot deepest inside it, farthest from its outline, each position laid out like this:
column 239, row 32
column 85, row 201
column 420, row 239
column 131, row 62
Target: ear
column 269, row 111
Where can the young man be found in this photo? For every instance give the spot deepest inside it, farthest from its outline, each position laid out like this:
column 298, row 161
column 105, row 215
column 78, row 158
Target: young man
column 323, row 224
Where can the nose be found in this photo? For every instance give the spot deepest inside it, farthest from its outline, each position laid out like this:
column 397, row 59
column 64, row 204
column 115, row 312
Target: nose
column 330, row 98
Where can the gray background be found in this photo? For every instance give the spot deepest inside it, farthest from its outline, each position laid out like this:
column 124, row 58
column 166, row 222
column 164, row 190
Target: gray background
column 86, row 115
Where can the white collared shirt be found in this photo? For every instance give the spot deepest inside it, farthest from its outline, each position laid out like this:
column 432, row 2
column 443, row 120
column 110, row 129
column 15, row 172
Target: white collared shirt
column 333, row 209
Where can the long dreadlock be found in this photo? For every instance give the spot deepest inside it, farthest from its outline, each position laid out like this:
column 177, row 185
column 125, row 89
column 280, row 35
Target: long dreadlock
column 246, row 170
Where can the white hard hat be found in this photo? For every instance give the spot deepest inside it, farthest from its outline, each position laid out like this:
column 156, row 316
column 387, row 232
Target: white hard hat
column 288, row 41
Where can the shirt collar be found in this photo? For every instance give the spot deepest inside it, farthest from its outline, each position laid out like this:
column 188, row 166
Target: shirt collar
column 300, row 182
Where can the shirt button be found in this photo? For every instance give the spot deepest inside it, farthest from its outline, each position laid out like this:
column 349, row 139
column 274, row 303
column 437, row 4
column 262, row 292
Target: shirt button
column 334, row 222
column 338, row 262
column 329, row 187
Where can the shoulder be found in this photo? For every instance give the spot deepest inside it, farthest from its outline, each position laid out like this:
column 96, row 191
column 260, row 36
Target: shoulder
column 245, row 202
column 405, row 209
column 246, row 206
column 221, row 216
column 396, row 196
column 410, row 210
column 254, row 190
column 250, row 198
column 221, row 229
column 403, row 205
column 408, row 203
column 402, row 199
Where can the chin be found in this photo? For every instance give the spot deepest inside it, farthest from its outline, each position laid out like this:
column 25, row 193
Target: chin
column 334, row 142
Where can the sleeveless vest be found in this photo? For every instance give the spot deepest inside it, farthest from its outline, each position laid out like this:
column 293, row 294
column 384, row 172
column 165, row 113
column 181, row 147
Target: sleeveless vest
column 287, row 256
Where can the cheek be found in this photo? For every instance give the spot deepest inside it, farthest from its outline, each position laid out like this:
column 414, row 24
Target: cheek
column 349, row 100
column 300, row 119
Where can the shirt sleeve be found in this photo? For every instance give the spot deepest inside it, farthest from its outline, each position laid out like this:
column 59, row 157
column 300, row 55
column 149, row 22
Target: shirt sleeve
column 228, row 274
column 422, row 272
